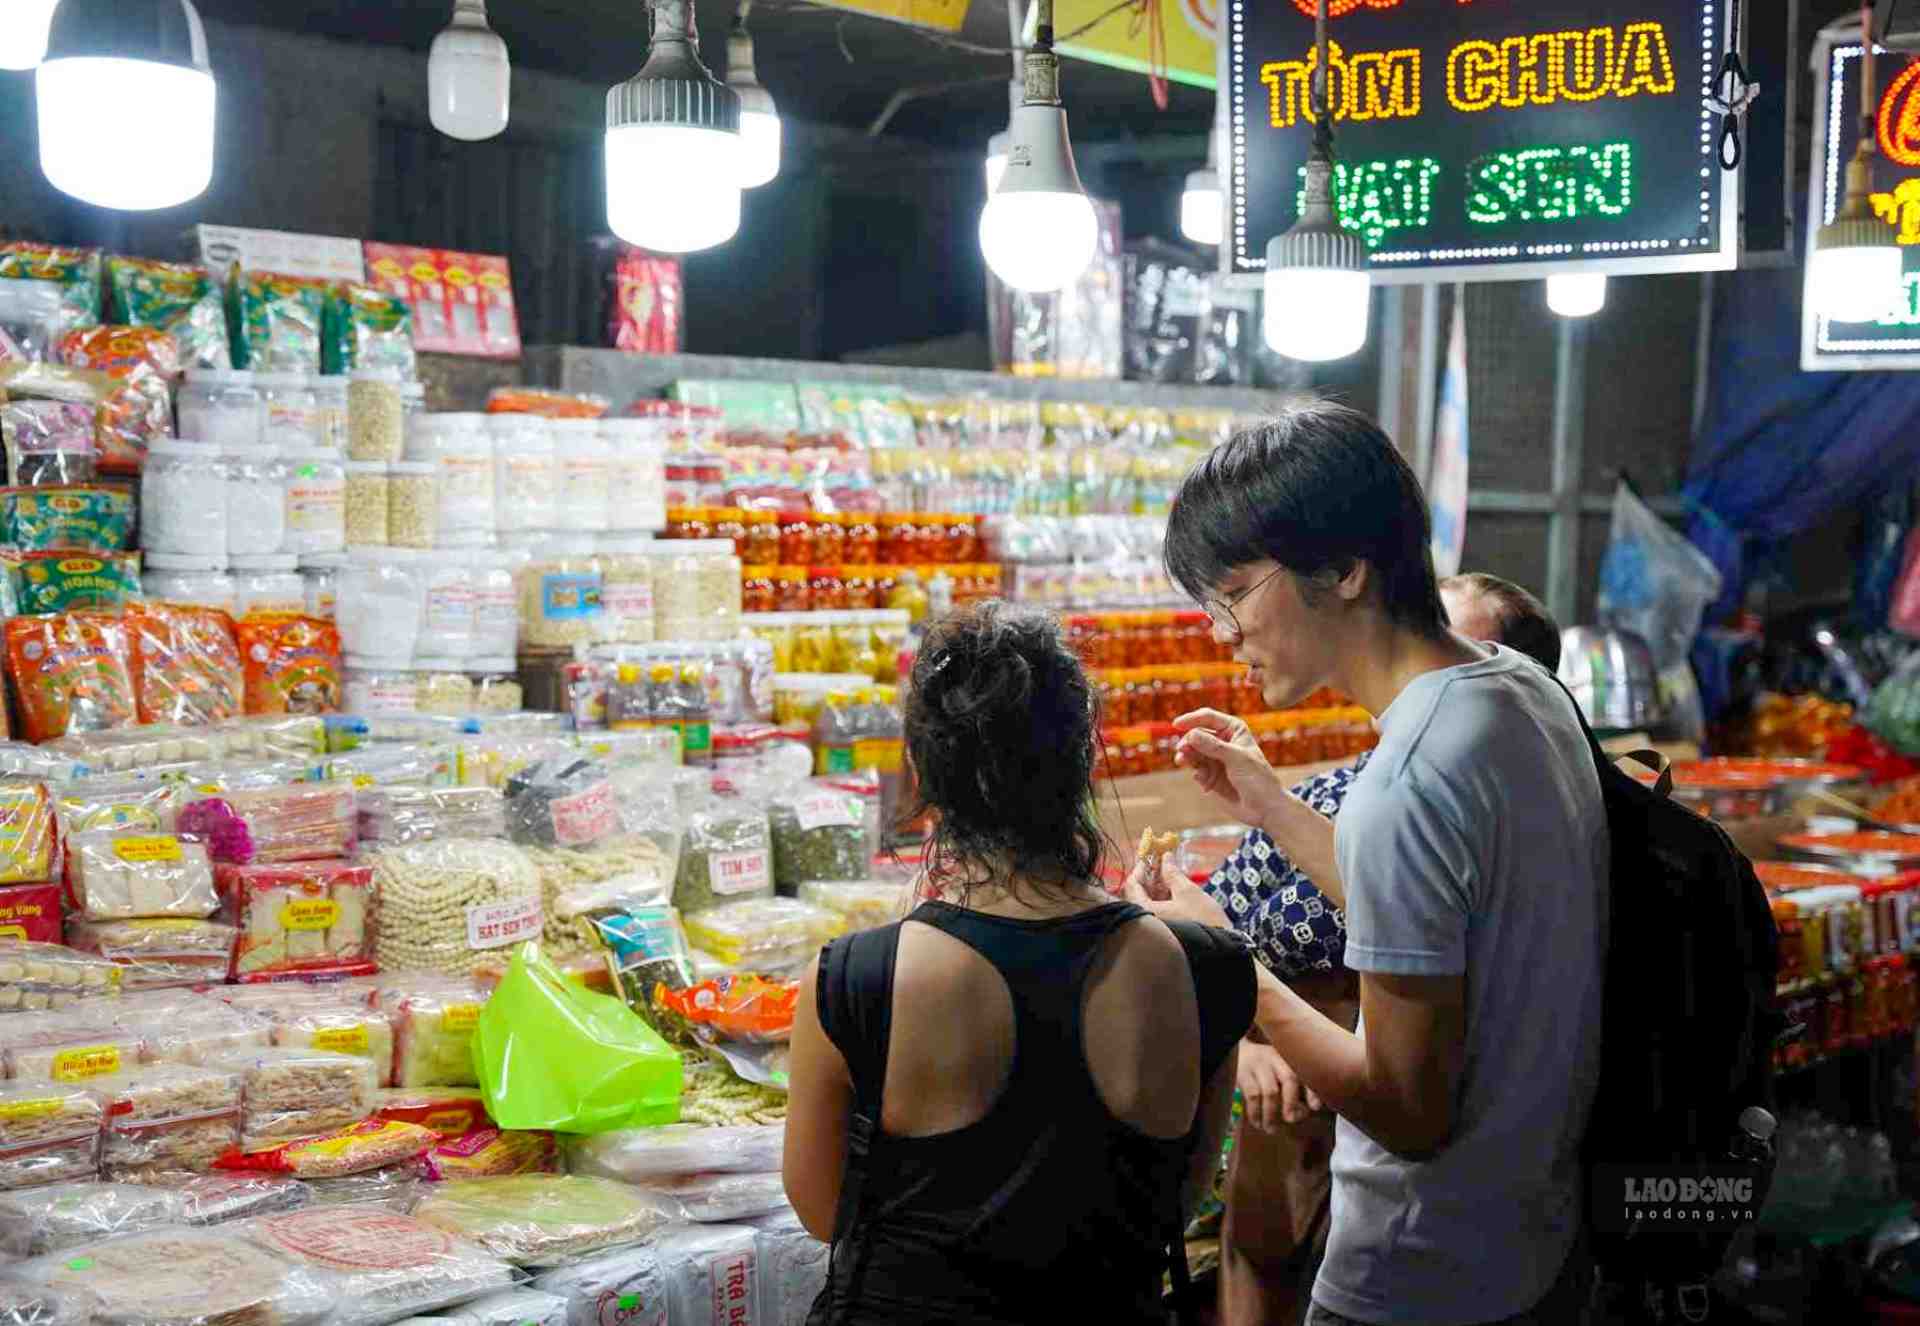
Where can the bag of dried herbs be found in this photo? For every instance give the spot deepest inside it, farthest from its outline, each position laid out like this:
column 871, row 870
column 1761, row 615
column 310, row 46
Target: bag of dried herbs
column 727, row 854
column 819, row 832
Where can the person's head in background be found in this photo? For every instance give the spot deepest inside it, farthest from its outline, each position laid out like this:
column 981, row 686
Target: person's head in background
column 1485, row 607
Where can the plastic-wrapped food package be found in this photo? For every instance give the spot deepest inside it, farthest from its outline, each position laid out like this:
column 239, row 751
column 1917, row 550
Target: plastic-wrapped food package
column 448, row 1111
column 36, row 976
column 763, row 934
column 30, row 913
column 27, row 834
column 393, row 1189
column 419, row 814
column 487, row 760
column 446, row 905
column 49, row 1133
column 645, row 943
column 66, row 1046
column 628, row 1282
column 23, row 1303
column 89, row 804
column 726, row 856
column 711, row 1272
column 424, row 764
column 491, row 1152
column 371, row 1144
column 343, row 1029
column 647, row 1155
column 169, row 1116
column 561, row 803
column 184, row 1277
column 793, row 1268
column 571, row 880
column 541, row 1219
column 861, row 904
column 300, row 1093
column 186, row 665
column 197, row 1031
column 175, row 298
column 819, row 832
column 37, row 1221
column 115, row 875
column 310, row 917
column 159, row 953
column 514, row 1307
column 301, row 822
column 715, row 1198
column 433, row 1022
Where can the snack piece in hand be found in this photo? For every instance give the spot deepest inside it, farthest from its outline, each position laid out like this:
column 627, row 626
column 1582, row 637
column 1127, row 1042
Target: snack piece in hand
column 1153, row 849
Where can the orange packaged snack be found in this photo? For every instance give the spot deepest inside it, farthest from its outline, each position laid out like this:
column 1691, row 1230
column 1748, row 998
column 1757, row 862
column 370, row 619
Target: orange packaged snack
column 142, row 361
column 291, row 663
column 186, row 664
column 355, row 1149
column 745, row 1007
column 72, row 672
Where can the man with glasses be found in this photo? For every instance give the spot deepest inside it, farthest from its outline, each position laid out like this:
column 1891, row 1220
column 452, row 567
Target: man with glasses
column 1470, row 856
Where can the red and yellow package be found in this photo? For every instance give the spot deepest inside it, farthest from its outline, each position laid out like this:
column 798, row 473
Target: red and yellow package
column 186, row 664
column 369, row 1144
column 291, row 663
column 549, row 404
column 30, row 911
column 142, row 361
column 71, row 673
column 744, row 1007
column 490, row 1153
column 27, row 840
column 449, row 1111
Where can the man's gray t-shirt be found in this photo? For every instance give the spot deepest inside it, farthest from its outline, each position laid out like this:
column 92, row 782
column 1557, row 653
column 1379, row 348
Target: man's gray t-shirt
column 1475, row 842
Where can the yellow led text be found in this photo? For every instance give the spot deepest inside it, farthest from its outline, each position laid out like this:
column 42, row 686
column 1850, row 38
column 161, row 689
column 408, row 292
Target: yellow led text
column 1901, row 210
column 1373, row 85
column 1551, row 67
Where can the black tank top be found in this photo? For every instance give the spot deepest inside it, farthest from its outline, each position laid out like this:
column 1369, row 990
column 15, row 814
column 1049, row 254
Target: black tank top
column 1046, row 1202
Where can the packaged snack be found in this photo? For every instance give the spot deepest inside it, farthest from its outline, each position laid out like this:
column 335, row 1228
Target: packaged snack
column 49, row 1133
column 307, row 916
column 861, row 904
column 169, row 1116
column 67, row 518
column 71, row 673
column 368, row 329
column 292, row 1094
column 646, row 1155
column 186, row 664
column 448, row 1111
column 279, row 322
column 742, row 1008
column 627, row 867
column 19, row 760
column 419, row 814
column 645, row 944
column 763, row 934
column 159, row 953
column 62, row 581
column 793, row 1268
column 178, row 1027
column 818, row 833
column 27, row 832
column 393, row 1189
column 727, row 855
column 491, row 1153
column 711, row 1275
column 143, row 364
column 561, row 803
column 448, row 905
column 70, row 1045
column 114, row 875
column 550, row 404
column 36, row 975
column 47, row 442
column 344, row 1029
column 213, row 1199
column 289, row 822
column 184, row 1277
column 433, row 1022
column 291, row 664
column 368, row 1145
column 37, row 1221
column 541, row 1219
column 175, row 298
column 514, row 1307
column 46, row 291
column 28, row 912
column 715, row 1198
column 85, row 805
column 629, row 1279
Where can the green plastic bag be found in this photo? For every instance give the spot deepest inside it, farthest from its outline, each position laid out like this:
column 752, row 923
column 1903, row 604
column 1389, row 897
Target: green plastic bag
column 550, row 1053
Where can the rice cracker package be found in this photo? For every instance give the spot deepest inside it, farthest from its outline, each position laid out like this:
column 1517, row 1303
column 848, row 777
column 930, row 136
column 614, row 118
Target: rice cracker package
column 186, row 664
column 291, row 663
column 71, row 673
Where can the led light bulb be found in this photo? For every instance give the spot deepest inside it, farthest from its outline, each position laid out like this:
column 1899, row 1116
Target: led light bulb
column 1859, row 284
column 1316, row 315
column 996, row 161
column 468, row 76
column 1577, row 295
column 1202, row 210
column 759, row 117
column 1038, row 231
column 23, row 32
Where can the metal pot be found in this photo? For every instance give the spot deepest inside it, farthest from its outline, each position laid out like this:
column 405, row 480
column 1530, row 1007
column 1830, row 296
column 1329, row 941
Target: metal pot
column 1611, row 675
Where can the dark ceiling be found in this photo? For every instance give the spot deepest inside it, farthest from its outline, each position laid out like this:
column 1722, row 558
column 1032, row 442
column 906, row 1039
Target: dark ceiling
column 801, row 51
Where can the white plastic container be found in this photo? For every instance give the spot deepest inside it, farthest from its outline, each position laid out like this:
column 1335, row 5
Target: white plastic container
column 460, row 449
column 366, row 503
column 377, row 686
column 637, row 476
column 377, row 604
column 627, row 571
column 220, row 406
column 256, row 501
column 183, row 499
column 496, row 685
column 412, row 506
column 441, row 685
column 496, row 602
column 320, row 582
column 446, row 607
column 525, row 483
column 330, row 392
column 376, row 419
column 316, row 501
column 179, row 578
column 583, row 458
column 269, row 583
column 289, row 410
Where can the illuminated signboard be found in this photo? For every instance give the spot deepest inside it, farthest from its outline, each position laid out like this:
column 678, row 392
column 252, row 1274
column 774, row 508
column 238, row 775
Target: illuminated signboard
column 1489, row 139
column 1892, row 341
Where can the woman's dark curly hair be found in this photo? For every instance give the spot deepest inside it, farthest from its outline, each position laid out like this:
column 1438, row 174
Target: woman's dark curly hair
column 1001, row 726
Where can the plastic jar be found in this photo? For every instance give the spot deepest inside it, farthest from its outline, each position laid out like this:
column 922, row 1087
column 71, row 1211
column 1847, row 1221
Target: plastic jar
column 220, row 406
column 320, row 581
column 441, row 685
column 560, row 591
column 316, row 500
column 183, row 499
column 365, row 517
column 696, row 590
column 375, row 685
column 496, row 686
column 626, row 587
column 460, row 449
column 181, row 578
column 496, row 602
column 583, row 459
column 446, row 607
column 762, row 546
column 863, row 539
column 330, row 399
column 636, row 480
column 796, row 538
column 376, row 425
column 289, row 410
column 413, row 408
column 377, row 607
column 412, row 504
column 524, row 481
column 756, row 589
column 256, row 501
column 268, row 583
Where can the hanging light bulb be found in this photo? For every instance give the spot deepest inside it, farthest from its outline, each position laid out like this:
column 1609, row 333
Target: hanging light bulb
column 23, row 33
column 468, row 76
column 1853, row 273
column 1038, row 230
column 103, row 57
column 1578, row 295
column 673, row 145
column 1318, row 290
column 999, row 143
column 1202, row 207
column 759, row 118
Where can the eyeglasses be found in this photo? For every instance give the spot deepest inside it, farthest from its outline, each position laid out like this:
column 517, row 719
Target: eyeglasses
column 1221, row 610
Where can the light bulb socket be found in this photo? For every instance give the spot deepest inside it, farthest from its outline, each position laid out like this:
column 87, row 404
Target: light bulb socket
column 741, row 76
column 1039, row 153
column 1203, row 181
column 156, row 31
column 469, row 14
column 1854, row 225
column 674, row 87
column 1040, row 77
column 1317, row 240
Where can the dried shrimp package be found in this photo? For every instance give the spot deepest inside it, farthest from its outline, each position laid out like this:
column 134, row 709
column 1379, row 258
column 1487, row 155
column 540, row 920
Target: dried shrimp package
column 447, row 905
column 541, row 1219
column 184, row 1277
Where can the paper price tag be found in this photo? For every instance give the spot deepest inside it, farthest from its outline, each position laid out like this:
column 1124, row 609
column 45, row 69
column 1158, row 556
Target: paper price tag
column 498, row 924
column 341, row 1040
column 158, row 847
column 823, row 810
column 85, row 1062
column 309, row 914
column 458, row 1018
column 739, row 872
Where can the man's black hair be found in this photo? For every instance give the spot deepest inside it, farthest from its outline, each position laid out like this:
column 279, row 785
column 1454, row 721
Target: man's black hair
column 1316, row 490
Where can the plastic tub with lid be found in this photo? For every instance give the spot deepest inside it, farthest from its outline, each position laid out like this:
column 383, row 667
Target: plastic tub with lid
column 289, row 410
column 525, row 480
column 183, row 578
column 183, row 499
column 320, row 577
column 441, row 685
column 316, row 500
column 256, row 501
column 376, row 686
column 460, row 449
column 496, row 684
column 220, row 406
column 268, row 583
column 583, row 464
column 378, row 604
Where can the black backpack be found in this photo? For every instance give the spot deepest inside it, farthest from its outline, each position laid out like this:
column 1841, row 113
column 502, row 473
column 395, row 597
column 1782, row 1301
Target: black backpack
column 1688, row 1025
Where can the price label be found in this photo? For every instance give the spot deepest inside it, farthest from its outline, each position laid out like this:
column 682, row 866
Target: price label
column 85, row 1062
column 585, row 817
column 309, row 914
column 341, row 1040
column 823, row 809
column 740, row 872
column 459, row 1018
column 155, row 847
column 498, row 924
column 40, row 1108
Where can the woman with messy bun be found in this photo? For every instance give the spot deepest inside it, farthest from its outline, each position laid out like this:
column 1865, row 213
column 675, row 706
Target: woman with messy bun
column 1011, row 1096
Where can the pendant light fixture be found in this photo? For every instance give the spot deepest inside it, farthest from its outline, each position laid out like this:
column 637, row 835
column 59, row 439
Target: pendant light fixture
column 1038, row 230
column 468, row 76
column 673, row 145
column 1578, row 295
column 126, row 103
column 999, row 143
column 23, row 32
column 1318, row 291
column 1853, row 273
column 759, row 117
column 1202, row 209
